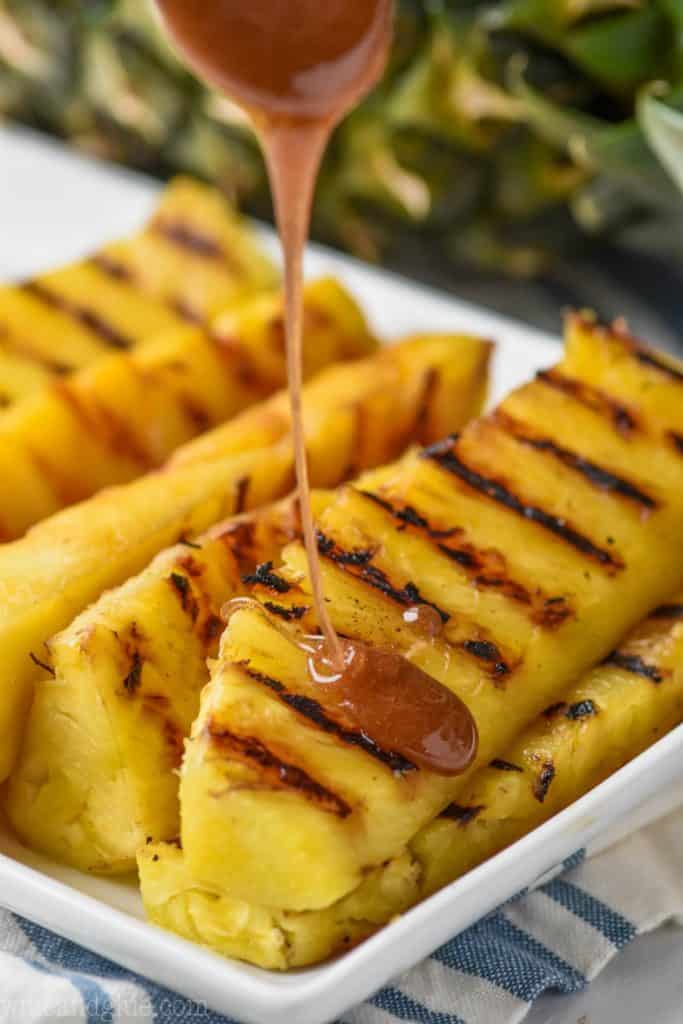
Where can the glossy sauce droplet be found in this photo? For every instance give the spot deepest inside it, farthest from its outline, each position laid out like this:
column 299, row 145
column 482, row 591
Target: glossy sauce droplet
column 398, row 706
column 426, row 619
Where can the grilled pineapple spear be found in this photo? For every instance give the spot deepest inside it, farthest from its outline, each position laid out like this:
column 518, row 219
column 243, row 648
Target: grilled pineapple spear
column 135, row 662
column 615, row 711
column 128, row 413
column 193, row 259
column 539, row 549
column 195, row 253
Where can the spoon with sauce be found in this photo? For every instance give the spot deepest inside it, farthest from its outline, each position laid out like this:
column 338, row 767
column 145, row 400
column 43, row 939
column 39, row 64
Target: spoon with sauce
column 297, row 67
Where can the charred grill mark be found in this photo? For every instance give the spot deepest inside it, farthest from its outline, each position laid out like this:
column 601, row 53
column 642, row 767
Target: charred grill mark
column 131, row 682
column 293, row 613
column 430, row 387
column 581, row 709
column 212, row 629
column 489, row 653
column 544, row 780
column 241, row 492
column 668, row 611
column 504, row 766
column 463, row 815
column 116, row 269
column 265, row 577
column 192, row 239
column 486, row 568
column 646, row 357
column 186, row 543
column 635, row 664
column 358, row 565
column 42, row 664
column 445, row 457
column 358, row 557
column 554, row 709
column 677, row 440
column 278, row 773
column 315, row 713
column 405, row 514
column 186, row 312
column 623, row 419
column 191, row 566
column 597, row 476
column 240, row 540
column 183, row 588
column 359, row 434
column 83, row 315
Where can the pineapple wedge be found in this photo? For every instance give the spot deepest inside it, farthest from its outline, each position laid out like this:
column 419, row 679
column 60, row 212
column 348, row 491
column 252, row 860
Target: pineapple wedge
column 616, row 711
column 539, row 550
column 67, row 561
column 129, row 412
column 196, row 253
column 70, row 317
column 194, row 259
column 135, row 662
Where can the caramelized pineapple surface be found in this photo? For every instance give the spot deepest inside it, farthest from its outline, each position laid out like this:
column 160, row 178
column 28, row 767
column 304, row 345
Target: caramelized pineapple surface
column 196, row 253
column 613, row 713
column 538, row 550
column 419, row 386
column 128, row 413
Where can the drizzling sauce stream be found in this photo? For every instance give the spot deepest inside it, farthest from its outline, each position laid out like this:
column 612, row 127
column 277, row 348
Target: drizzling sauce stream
column 298, row 67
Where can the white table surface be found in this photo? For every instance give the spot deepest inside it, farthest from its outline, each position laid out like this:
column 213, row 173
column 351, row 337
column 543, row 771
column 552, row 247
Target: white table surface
column 46, row 221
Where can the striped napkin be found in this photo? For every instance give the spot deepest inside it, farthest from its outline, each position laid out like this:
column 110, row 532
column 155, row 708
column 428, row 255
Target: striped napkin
column 555, row 938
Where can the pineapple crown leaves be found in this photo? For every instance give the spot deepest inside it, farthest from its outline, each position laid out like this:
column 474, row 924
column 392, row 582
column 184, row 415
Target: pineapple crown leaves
column 663, row 128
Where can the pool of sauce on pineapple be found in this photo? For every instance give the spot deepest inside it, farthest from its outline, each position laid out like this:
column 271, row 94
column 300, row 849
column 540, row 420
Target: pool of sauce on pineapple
column 298, row 67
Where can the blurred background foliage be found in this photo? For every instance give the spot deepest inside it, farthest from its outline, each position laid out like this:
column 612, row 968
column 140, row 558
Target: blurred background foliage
column 508, row 140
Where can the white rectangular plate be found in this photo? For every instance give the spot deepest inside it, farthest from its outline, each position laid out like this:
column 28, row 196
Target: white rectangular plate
column 55, row 206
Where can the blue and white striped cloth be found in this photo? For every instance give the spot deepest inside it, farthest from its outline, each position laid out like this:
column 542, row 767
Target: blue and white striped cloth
column 553, row 939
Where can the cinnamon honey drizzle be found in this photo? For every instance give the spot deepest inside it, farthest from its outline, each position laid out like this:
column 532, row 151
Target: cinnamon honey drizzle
column 298, row 67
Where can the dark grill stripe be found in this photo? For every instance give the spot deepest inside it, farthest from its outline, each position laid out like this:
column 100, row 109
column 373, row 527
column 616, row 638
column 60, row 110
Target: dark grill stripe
column 290, row 613
column 544, row 780
column 504, row 766
column 265, row 577
column 444, row 456
column 581, row 709
column 115, row 269
column 622, row 418
column 668, row 611
column 649, row 358
column 83, row 315
column 487, row 569
column 187, row 236
column 634, row 663
column 119, row 271
column 463, row 815
column 596, row 475
column 357, row 564
column 490, row 654
column 278, row 773
column 315, row 713
column 677, row 440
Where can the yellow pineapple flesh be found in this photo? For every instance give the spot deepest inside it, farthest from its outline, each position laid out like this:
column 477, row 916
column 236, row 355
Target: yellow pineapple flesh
column 537, row 552
column 98, row 544
column 196, row 253
column 127, row 413
column 613, row 713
